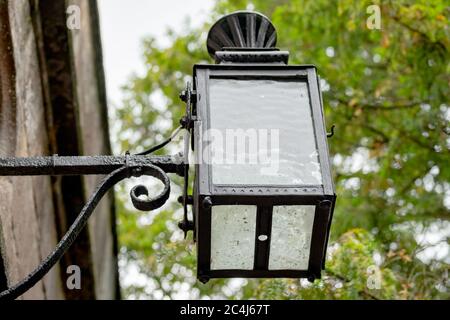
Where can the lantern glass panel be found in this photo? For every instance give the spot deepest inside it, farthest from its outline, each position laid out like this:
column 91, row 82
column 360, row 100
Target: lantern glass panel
column 233, row 237
column 262, row 133
column 291, row 237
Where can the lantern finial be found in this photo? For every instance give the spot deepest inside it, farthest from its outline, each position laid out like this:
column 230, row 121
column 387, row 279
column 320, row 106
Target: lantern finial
column 242, row 30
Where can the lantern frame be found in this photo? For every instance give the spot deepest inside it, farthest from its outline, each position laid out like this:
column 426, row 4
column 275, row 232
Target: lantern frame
column 264, row 197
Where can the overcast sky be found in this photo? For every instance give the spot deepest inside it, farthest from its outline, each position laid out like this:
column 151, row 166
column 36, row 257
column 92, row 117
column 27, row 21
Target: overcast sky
column 125, row 23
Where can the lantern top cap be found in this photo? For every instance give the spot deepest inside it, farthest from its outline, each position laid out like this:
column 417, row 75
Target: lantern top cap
column 241, row 29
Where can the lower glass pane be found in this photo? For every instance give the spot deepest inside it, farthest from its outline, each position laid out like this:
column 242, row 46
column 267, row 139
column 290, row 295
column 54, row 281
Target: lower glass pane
column 233, row 237
column 291, row 237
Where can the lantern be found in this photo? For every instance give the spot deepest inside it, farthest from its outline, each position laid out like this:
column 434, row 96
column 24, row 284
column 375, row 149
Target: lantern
column 263, row 192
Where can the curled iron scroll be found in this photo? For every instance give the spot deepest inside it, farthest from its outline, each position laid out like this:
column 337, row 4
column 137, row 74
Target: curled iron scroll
column 80, row 222
column 140, row 190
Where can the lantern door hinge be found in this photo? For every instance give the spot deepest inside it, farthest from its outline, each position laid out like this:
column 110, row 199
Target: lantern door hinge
column 185, row 94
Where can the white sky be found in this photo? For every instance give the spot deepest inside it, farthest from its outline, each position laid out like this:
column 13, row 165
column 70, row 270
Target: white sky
column 125, row 23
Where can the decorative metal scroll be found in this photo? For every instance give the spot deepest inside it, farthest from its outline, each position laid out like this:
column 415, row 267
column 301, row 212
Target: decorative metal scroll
column 117, row 168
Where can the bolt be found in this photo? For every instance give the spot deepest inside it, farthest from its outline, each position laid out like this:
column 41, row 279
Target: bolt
column 189, row 200
column 183, row 96
column 207, row 203
column 184, row 122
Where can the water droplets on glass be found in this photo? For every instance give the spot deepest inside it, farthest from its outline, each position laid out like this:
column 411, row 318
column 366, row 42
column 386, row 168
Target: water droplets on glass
column 233, row 237
column 291, row 237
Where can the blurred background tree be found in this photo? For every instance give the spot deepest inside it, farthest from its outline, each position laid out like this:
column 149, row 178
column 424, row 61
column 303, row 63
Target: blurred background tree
column 386, row 90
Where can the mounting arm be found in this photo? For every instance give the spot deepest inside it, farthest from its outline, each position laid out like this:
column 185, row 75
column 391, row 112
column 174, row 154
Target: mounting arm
column 117, row 169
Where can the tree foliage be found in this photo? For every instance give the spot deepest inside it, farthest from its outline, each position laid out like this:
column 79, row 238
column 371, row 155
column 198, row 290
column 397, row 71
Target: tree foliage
column 386, row 91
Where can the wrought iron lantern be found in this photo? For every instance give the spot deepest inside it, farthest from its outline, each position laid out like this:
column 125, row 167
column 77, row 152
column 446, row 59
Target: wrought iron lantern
column 263, row 195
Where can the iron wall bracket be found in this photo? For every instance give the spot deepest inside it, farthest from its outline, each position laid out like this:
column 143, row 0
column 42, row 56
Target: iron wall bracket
column 117, row 169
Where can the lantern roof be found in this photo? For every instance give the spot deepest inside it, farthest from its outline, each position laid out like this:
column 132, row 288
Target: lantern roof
column 245, row 37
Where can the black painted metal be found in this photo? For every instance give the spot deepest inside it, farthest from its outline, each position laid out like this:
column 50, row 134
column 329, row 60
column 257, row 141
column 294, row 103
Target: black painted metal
column 203, row 232
column 117, row 168
column 257, row 274
column 319, row 238
column 241, row 29
column 250, row 56
column 263, row 227
column 141, row 190
column 187, row 123
column 125, row 171
column 85, row 165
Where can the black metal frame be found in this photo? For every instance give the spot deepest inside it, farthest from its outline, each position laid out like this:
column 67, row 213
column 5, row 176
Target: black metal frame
column 207, row 195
